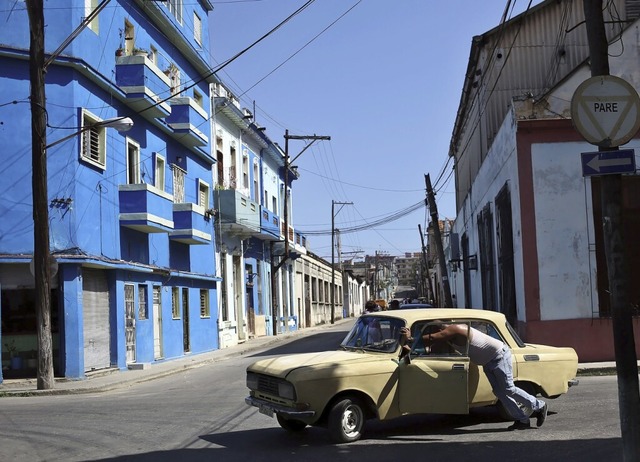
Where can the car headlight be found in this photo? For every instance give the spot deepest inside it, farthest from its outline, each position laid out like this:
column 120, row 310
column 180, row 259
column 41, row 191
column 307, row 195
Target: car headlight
column 252, row 381
column 286, row 390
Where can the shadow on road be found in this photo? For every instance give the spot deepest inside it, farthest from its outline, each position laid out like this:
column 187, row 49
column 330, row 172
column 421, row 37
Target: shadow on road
column 313, row 343
column 412, row 438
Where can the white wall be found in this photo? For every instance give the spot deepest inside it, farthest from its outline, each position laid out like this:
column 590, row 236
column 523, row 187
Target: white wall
column 498, row 168
column 564, row 230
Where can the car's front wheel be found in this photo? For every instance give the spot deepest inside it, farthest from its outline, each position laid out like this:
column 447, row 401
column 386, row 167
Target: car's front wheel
column 291, row 425
column 346, row 420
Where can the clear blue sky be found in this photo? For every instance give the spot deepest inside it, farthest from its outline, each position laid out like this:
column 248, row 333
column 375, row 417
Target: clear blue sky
column 383, row 78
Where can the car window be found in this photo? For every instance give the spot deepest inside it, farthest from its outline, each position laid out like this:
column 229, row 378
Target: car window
column 487, row 328
column 420, row 346
column 375, row 333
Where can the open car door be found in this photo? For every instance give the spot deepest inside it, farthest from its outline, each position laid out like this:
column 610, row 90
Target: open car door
column 434, row 381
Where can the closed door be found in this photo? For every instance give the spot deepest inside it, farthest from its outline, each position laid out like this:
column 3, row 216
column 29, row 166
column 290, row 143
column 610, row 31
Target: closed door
column 95, row 315
column 157, row 322
column 130, row 323
column 186, row 341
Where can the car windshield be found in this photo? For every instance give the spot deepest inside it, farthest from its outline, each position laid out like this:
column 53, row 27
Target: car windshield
column 376, row 333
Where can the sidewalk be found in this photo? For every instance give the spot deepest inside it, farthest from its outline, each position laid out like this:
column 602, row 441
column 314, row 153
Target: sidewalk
column 113, row 378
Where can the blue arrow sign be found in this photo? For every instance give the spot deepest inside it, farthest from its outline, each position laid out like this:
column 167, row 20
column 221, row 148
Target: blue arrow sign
column 608, row 162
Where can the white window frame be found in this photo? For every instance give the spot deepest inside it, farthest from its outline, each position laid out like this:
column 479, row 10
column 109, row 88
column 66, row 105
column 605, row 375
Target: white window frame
column 245, row 169
column 133, row 170
column 143, row 301
column 177, row 179
column 175, row 303
column 204, row 189
column 197, row 97
column 160, row 172
column 96, row 137
column 197, row 28
column 175, row 8
column 205, row 310
column 89, row 7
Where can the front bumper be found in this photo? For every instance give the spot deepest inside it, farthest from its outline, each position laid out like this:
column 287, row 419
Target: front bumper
column 269, row 408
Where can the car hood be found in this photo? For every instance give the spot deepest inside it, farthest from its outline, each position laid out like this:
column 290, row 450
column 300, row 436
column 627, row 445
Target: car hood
column 282, row 365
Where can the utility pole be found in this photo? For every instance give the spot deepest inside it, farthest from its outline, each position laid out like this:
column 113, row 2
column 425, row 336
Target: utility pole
column 616, row 258
column 425, row 264
column 433, row 210
column 275, row 268
column 333, row 263
column 41, row 250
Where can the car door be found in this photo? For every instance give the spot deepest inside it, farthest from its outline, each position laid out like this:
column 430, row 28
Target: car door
column 435, row 379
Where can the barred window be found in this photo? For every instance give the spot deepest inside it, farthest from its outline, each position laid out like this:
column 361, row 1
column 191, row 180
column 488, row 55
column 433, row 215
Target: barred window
column 93, row 149
column 143, row 310
column 205, row 311
column 175, row 303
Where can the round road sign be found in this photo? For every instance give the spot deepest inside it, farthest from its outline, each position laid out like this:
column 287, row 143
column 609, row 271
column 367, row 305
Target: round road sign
column 606, row 110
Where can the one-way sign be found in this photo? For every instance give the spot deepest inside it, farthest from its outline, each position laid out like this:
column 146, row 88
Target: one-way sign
column 608, row 162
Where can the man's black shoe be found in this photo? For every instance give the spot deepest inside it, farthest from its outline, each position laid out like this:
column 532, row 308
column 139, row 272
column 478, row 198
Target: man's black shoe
column 517, row 425
column 541, row 415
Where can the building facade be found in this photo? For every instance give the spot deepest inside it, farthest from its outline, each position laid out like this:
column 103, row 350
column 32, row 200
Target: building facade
column 529, row 221
column 130, row 214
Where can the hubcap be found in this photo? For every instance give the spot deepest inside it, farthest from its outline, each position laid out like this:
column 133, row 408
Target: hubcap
column 351, row 419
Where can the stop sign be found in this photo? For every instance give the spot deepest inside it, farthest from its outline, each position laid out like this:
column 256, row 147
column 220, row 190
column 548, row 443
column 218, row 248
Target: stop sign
column 606, row 110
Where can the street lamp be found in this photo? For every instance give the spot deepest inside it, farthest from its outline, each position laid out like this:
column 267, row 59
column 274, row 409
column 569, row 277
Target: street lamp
column 121, row 124
column 41, row 249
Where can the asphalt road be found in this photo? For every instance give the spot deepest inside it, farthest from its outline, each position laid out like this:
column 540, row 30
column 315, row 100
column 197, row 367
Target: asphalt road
column 200, row 415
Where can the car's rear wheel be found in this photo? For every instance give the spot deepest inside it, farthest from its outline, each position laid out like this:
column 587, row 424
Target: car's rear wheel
column 291, row 425
column 346, row 420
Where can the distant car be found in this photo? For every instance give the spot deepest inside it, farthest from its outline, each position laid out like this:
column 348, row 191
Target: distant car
column 366, row 379
column 413, row 306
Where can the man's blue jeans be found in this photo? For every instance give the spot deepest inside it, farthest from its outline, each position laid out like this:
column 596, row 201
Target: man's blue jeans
column 518, row 403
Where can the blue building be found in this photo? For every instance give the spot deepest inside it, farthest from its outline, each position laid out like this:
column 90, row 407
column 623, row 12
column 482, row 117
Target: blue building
column 130, row 214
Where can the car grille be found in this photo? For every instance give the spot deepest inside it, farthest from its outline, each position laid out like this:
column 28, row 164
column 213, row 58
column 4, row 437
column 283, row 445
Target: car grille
column 268, row 384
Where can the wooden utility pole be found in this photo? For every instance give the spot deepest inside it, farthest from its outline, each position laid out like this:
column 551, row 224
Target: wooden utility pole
column 333, row 263
column 433, row 211
column 275, row 268
column 41, row 251
column 616, row 258
column 425, row 264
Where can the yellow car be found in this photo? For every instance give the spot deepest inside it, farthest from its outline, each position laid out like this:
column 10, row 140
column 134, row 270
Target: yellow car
column 369, row 376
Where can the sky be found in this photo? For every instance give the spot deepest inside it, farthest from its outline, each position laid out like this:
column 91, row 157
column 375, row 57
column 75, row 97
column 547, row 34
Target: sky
column 383, row 79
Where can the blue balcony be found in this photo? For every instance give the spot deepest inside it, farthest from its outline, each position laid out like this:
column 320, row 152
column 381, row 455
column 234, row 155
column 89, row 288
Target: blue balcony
column 192, row 224
column 145, row 208
column 189, row 121
column 145, row 85
column 238, row 215
column 269, row 225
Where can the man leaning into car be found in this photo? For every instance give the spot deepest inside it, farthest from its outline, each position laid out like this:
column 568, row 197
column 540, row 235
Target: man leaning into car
column 495, row 358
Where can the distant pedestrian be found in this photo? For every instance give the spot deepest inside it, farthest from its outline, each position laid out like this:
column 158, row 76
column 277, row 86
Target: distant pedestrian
column 371, row 307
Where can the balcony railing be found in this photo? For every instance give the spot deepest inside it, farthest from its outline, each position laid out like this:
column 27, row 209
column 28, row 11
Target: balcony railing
column 145, row 208
column 192, row 224
column 189, row 121
column 144, row 83
column 269, row 225
column 237, row 213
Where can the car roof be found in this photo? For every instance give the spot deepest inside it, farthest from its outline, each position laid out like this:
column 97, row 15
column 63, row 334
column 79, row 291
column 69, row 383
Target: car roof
column 413, row 314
